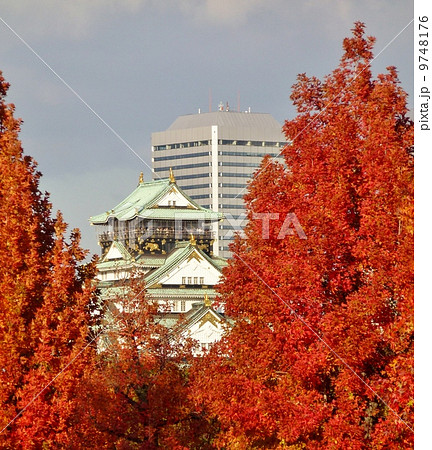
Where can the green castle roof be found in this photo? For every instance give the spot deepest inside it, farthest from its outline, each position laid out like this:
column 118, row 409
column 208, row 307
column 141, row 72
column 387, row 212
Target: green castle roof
column 142, row 202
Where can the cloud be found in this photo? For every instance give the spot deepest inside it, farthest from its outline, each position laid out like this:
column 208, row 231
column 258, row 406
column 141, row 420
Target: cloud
column 226, row 12
column 78, row 18
column 74, row 19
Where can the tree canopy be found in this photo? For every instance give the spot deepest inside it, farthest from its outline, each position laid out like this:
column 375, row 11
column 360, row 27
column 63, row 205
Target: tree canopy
column 45, row 303
column 321, row 354
column 320, row 290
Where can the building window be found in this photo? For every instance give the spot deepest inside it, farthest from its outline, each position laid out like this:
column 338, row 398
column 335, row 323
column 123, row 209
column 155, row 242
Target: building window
column 239, row 195
column 236, row 175
column 183, row 306
column 196, row 197
column 195, row 280
column 195, row 175
column 239, row 164
column 201, row 280
column 220, row 142
column 252, row 154
column 180, row 145
column 185, row 166
column 196, row 186
column 189, row 280
column 183, row 280
column 223, row 206
column 233, row 185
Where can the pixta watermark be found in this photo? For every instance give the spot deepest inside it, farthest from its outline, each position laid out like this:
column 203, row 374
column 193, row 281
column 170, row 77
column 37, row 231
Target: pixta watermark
column 290, row 227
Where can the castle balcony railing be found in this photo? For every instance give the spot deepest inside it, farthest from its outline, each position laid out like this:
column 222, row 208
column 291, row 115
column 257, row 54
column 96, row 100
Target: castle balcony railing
column 156, row 233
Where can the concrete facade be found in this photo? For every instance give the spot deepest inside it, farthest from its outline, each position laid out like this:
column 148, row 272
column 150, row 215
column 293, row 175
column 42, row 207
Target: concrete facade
column 213, row 155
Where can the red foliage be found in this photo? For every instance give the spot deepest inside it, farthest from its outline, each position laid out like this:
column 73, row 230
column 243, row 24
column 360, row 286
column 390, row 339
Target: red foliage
column 137, row 397
column 56, row 390
column 44, row 303
column 321, row 355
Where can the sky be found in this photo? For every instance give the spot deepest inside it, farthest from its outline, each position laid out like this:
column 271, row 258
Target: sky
column 93, row 79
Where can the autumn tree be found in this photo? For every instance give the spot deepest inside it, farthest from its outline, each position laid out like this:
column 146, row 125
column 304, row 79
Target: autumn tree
column 138, row 395
column 321, row 355
column 45, row 300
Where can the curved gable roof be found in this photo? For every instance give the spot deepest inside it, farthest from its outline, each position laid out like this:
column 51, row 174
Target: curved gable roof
column 145, row 197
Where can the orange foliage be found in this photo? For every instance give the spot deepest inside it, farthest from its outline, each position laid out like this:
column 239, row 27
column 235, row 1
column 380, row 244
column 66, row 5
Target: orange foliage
column 44, row 303
column 137, row 396
column 321, row 355
column 57, row 388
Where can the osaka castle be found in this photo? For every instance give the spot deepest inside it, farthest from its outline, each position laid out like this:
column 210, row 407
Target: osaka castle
column 161, row 233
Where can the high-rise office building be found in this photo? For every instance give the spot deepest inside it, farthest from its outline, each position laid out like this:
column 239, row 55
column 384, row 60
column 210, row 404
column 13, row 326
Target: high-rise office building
column 213, row 155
